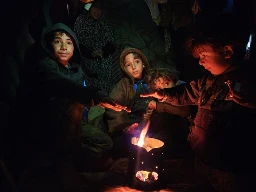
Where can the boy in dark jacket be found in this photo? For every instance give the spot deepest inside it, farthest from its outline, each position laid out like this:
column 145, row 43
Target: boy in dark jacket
column 134, row 64
column 127, row 91
column 52, row 99
column 222, row 137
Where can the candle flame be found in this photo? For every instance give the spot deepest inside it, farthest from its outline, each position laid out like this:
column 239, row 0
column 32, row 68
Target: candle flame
column 143, row 134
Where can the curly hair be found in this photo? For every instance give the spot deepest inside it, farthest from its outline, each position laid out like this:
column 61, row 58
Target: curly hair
column 168, row 74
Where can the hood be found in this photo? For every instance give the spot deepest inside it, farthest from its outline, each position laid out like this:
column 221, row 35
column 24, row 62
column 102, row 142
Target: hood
column 127, row 51
column 76, row 58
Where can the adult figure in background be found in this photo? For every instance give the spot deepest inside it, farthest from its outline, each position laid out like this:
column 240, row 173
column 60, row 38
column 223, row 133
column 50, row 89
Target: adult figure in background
column 177, row 24
column 96, row 39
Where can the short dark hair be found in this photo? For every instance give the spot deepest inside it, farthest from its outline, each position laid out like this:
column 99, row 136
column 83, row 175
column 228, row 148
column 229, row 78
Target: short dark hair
column 50, row 37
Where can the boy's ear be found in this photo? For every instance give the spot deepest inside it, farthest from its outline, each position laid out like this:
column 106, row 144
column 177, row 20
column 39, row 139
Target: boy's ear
column 228, row 51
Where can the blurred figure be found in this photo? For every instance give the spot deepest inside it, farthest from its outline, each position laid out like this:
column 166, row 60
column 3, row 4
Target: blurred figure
column 96, row 39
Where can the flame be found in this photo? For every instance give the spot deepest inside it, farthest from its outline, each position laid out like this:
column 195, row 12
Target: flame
column 143, row 134
column 146, row 142
column 147, row 176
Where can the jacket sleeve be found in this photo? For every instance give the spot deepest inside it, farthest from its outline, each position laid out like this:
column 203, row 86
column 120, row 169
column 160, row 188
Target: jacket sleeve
column 118, row 120
column 184, row 94
column 56, row 84
column 182, row 111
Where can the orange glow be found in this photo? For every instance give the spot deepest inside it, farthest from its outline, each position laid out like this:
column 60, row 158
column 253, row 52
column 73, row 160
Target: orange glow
column 146, row 142
column 147, row 176
column 143, row 134
column 86, row 1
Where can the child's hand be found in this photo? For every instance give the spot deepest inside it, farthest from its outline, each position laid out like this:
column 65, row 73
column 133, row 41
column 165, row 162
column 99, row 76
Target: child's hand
column 148, row 114
column 108, row 102
column 156, row 95
column 131, row 129
column 152, row 104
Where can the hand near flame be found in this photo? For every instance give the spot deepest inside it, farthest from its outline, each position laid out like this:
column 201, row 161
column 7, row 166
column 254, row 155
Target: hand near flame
column 131, row 129
column 157, row 94
column 152, row 105
column 136, row 128
column 107, row 102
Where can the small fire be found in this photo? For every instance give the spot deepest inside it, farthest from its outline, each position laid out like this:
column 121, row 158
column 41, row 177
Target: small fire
column 146, row 142
column 143, row 134
column 147, row 176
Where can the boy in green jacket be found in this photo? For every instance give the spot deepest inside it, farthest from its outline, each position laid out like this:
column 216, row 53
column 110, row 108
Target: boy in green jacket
column 53, row 97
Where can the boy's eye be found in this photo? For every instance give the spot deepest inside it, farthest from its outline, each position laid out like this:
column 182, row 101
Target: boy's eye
column 137, row 61
column 127, row 65
column 56, row 41
column 70, row 43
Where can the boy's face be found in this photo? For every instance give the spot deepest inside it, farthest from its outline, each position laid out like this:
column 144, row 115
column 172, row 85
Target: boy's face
column 215, row 62
column 161, row 83
column 63, row 47
column 134, row 65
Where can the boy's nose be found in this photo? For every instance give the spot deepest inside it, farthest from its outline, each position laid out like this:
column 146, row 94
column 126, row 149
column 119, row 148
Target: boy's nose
column 64, row 46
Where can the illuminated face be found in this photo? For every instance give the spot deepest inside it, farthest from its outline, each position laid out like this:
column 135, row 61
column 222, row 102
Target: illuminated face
column 134, row 65
column 95, row 12
column 161, row 83
column 213, row 61
column 63, row 47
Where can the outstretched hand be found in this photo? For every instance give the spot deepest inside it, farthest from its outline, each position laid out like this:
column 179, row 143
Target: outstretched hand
column 131, row 129
column 156, row 95
column 108, row 102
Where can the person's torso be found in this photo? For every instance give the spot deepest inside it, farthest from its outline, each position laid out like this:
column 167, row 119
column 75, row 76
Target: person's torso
column 220, row 125
column 140, row 104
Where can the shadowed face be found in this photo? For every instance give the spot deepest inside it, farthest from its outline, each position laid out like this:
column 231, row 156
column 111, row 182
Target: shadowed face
column 134, row 65
column 63, row 47
column 213, row 61
column 95, row 12
column 161, row 83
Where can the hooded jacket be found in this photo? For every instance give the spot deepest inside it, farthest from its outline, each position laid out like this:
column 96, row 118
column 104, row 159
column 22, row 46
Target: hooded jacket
column 48, row 78
column 124, row 92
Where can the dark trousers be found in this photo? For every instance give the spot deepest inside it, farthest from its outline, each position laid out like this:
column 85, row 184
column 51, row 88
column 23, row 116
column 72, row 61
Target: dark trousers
column 53, row 130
